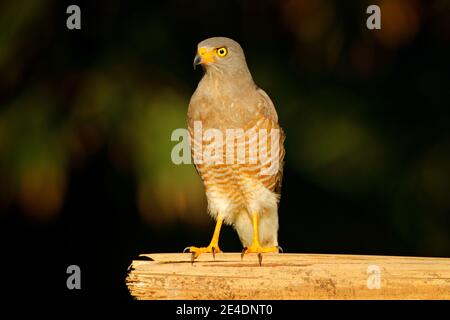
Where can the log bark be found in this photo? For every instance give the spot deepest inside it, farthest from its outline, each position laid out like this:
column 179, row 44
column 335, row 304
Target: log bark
column 288, row 276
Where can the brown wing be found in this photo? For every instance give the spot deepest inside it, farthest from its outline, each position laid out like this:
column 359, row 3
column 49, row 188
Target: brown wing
column 270, row 121
column 282, row 154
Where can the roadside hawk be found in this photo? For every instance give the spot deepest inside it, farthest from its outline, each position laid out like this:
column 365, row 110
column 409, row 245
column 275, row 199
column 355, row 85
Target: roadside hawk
column 242, row 189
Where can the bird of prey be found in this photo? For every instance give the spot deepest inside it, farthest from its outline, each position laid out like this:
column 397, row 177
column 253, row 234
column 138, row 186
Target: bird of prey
column 243, row 194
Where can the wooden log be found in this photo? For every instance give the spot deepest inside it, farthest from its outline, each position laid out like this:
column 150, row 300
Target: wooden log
column 288, row 276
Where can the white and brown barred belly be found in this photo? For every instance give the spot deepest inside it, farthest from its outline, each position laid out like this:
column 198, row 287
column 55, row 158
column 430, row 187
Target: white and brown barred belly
column 235, row 187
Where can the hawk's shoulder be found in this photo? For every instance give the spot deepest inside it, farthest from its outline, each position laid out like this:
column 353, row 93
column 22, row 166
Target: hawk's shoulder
column 266, row 106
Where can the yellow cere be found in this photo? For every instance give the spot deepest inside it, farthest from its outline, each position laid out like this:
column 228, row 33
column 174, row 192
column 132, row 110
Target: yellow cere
column 207, row 56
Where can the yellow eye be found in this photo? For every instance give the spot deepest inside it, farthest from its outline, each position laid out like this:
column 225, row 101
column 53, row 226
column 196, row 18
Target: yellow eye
column 222, row 52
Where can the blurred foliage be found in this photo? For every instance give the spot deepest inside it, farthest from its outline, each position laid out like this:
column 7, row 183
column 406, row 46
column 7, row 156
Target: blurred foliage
column 366, row 112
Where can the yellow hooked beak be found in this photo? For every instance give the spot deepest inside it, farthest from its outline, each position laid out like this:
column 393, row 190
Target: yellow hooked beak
column 204, row 56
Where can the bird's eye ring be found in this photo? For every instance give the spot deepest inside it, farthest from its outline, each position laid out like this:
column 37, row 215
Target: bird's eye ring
column 222, row 52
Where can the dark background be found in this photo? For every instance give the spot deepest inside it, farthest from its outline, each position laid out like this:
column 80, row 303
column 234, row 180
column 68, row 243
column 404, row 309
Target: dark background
column 86, row 117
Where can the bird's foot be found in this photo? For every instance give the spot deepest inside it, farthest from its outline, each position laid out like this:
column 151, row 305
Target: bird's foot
column 197, row 251
column 256, row 248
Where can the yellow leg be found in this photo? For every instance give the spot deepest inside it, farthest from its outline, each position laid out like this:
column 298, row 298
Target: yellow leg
column 255, row 246
column 213, row 246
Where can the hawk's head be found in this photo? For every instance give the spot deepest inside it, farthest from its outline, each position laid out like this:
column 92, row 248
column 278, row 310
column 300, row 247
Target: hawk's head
column 221, row 54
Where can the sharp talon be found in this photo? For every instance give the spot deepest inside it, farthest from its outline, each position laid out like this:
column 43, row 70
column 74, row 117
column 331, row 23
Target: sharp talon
column 214, row 253
column 260, row 258
column 280, row 249
column 186, row 249
column 243, row 253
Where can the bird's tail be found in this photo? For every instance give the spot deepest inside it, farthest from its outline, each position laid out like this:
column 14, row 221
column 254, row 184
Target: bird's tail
column 268, row 228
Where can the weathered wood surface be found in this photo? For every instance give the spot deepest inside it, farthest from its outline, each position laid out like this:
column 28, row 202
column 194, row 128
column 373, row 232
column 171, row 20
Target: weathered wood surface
column 288, row 276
